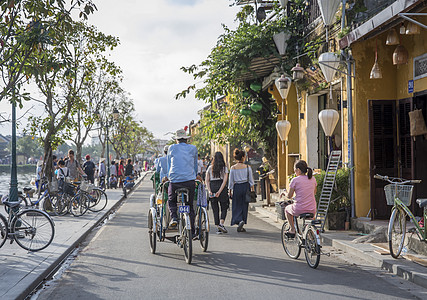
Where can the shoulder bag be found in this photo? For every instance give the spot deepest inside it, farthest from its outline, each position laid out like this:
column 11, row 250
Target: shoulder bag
column 250, row 195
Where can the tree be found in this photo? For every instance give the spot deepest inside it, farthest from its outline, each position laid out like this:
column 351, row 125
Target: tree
column 100, row 80
column 28, row 146
column 25, row 25
column 229, row 62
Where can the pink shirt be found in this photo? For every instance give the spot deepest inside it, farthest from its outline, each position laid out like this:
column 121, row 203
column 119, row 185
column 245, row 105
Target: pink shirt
column 305, row 202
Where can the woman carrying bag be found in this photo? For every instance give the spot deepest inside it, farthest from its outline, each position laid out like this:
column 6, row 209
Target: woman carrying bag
column 240, row 182
column 216, row 182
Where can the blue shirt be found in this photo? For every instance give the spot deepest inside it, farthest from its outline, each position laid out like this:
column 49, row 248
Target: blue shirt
column 182, row 162
column 162, row 165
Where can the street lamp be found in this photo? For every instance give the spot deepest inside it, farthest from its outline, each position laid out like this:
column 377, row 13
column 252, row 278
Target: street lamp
column 107, row 125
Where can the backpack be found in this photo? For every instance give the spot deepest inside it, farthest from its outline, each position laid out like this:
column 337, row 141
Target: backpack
column 89, row 168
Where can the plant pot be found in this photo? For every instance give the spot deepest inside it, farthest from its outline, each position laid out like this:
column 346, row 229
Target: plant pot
column 336, row 220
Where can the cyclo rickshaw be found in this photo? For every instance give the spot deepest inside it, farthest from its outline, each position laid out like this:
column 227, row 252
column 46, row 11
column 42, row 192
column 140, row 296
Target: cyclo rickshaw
column 159, row 218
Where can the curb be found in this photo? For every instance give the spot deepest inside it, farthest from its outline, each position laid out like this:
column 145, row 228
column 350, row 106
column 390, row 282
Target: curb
column 54, row 266
column 401, row 267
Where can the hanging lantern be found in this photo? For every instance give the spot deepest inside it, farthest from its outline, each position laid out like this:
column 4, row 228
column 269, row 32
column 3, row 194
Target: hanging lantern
column 246, row 94
column 256, row 87
column 280, row 39
column 283, row 3
column 245, row 111
column 400, row 55
column 402, row 29
column 329, row 119
column 329, row 62
column 392, row 38
column 328, row 8
column 283, row 84
column 256, row 106
column 283, row 127
column 297, row 72
column 412, row 28
column 376, row 71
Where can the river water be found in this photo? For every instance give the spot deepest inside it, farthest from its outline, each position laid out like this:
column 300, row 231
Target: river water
column 24, row 180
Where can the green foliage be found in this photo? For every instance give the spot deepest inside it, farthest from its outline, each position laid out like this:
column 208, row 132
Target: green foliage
column 342, row 180
column 28, row 146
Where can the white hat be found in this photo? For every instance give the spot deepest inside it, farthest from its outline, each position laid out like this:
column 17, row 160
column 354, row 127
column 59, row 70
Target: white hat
column 181, row 134
column 166, row 148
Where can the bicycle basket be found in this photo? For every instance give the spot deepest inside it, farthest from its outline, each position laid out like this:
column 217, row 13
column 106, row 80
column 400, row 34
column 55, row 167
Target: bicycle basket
column 404, row 193
column 53, row 186
column 86, row 187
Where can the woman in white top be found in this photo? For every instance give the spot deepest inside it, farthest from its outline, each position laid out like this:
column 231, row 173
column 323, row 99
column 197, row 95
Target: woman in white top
column 216, row 182
column 240, row 181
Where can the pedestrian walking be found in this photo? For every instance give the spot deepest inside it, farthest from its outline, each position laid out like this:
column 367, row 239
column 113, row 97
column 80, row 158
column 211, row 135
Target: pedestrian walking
column 304, row 186
column 73, row 166
column 241, row 181
column 89, row 168
column 216, row 182
column 121, row 172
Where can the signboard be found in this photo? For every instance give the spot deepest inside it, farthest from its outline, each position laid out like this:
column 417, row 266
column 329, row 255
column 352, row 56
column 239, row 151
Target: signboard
column 410, row 86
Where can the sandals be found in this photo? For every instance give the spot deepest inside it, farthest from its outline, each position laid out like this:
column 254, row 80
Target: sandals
column 290, row 235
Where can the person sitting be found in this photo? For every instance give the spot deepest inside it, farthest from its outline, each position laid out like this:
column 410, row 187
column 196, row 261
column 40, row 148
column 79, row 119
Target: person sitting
column 129, row 182
column 113, row 181
column 304, row 186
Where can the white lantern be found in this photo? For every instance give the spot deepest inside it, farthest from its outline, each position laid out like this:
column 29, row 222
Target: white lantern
column 280, row 84
column 280, row 39
column 283, row 3
column 328, row 8
column 283, row 127
column 329, row 119
column 329, row 62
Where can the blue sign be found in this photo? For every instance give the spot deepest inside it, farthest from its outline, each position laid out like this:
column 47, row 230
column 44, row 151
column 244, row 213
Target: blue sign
column 410, row 86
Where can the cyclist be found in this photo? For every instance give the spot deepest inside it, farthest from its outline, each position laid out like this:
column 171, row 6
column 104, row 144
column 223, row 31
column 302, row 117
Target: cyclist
column 304, row 186
column 182, row 173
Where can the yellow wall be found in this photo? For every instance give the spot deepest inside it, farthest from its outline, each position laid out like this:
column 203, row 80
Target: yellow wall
column 393, row 85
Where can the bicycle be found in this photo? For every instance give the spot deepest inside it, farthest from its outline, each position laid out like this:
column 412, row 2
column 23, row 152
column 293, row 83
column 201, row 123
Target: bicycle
column 399, row 194
column 202, row 223
column 32, row 229
column 308, row 238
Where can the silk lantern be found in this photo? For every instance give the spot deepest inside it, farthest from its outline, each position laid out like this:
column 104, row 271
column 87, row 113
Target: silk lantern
column 283, row 127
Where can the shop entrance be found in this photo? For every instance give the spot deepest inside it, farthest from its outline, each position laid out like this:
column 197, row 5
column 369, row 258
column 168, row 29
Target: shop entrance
column 393, row 152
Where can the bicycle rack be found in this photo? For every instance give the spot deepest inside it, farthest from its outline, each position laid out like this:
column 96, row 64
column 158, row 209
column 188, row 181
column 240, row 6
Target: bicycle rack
column 328, row 187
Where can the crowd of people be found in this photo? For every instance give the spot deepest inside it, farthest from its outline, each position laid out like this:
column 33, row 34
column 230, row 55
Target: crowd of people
column 182, row 166
column 122, row 172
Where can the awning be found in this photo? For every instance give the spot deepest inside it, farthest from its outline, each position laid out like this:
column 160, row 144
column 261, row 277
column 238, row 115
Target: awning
column 259, row 68
column 382, row 21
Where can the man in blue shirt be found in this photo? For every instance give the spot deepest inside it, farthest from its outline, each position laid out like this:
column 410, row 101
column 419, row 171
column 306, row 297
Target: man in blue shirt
column 182, row 173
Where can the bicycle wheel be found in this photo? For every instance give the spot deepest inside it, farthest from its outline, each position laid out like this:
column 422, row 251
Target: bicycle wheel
column 187, row 242
column 3, row 230
column 97, row 200
column 78, row 205
column 290, row 245
column 62, row 204
column 151, row 232
column 312, row 249
column 203, row 234
column 33, row 229
column 396, row 232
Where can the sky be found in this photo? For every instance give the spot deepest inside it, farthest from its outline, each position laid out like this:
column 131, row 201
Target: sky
column 156, row 39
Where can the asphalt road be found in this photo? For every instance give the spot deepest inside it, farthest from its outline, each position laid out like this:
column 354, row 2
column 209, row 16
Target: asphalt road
column 116, row 263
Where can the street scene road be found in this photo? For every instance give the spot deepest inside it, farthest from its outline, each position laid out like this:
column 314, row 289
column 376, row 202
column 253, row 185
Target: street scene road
column 116, row 263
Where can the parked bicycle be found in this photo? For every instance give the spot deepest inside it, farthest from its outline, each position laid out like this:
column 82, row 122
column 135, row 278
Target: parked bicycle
column 399, row 194
column 307, row 237
column 32, row 229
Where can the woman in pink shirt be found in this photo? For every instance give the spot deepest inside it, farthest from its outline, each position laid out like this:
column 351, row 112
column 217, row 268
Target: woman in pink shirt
column 304, row 186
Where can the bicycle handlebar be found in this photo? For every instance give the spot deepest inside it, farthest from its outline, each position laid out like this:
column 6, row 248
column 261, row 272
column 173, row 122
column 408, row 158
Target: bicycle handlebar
column 396, row 180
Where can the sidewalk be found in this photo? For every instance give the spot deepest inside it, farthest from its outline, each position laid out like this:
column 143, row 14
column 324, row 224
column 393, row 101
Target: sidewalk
column 21, row 271
column 412, row 268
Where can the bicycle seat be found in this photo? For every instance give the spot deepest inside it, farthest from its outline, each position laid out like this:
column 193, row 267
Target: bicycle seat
column 306, row 216
column 182, row 190
column 27, row 189
column 422, row 202
column 12, row 204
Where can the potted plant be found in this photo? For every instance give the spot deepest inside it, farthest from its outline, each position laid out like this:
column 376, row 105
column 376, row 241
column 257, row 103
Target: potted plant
column 339, row 207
